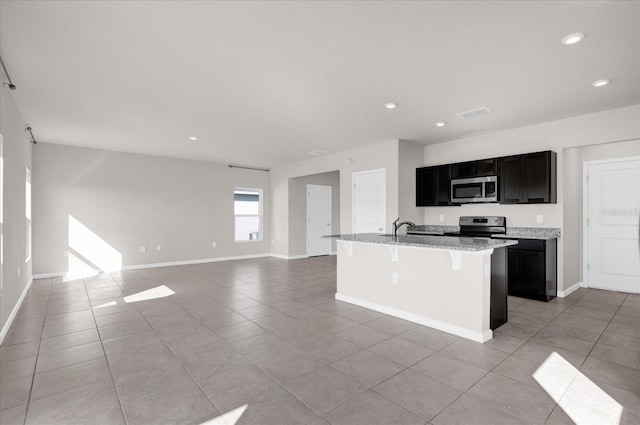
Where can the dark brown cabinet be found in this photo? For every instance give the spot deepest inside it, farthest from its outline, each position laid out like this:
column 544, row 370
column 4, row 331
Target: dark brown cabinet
column 532, row 269
column 482, row 168
column 528, row 179
column 433, row 186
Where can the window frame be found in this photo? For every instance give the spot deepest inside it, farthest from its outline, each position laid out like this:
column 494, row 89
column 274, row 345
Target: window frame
column 260, row 214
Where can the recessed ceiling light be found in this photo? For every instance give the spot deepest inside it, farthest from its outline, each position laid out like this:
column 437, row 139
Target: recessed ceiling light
column 390, row 105
column 600, row 83
column 574, row 38
column 194, row 138
column 441, row 124
column 318, row 152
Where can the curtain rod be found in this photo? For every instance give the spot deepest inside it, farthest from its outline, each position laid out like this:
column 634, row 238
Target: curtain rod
column 266, row 170
column 10, row 84
column 33, row 139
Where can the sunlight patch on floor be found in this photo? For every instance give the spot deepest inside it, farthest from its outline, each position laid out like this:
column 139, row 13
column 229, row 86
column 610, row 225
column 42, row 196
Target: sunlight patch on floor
column 161, row 291
column 229, row 418
column 580, row 398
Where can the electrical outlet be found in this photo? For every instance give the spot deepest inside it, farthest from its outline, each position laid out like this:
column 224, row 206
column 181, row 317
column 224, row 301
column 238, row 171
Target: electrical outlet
column 158, row 247
column 441, row 217
column 394, row 277
column 539, row 218
column 143, row 248
column 213, row 244
column 18, row 271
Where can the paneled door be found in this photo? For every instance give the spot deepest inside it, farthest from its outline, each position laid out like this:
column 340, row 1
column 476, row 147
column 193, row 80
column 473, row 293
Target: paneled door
column 369, row 201
column 612, row 218
column 318, row 220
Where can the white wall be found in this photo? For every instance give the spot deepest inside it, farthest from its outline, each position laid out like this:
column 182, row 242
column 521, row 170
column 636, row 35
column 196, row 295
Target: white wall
column 410, row 157
column 130, row 200
column 382, row 155
column 602, row 127
column 16, row 156
column 573, row 162
column 298, row 209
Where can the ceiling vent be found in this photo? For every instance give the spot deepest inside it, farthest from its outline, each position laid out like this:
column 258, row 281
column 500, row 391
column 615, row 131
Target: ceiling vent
column 473, row 112
column 318, row 152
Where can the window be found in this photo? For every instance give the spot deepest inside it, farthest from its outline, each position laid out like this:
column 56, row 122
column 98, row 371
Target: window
column 27, row 210
column 247, row 208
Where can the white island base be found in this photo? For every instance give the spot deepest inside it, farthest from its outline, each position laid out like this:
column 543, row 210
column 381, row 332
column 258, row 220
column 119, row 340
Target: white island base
column 449, row 290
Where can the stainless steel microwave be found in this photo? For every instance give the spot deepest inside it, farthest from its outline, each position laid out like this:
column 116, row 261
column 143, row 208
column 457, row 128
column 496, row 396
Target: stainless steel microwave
column 476, row 189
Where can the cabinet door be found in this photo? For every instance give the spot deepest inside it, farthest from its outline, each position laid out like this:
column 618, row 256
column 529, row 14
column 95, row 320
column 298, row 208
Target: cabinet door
column 463, row 170
column 487, row 167
column 511, row 180
column 537, row 173
column 526, row 273
column 426, row 179
column 443, row 189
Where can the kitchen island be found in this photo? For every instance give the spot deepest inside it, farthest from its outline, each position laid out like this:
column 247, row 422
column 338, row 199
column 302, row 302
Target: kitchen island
column 454, row 284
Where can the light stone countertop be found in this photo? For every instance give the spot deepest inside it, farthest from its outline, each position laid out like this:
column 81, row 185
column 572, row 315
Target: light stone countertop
column 540, row 233
column 427, row 241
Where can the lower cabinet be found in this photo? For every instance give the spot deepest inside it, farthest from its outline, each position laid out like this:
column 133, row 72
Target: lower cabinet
column 532, row 269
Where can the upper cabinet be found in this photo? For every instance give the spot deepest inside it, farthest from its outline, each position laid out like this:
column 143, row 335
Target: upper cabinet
column 528, row 179
column 482, row 168
column 433, row 186
column 522, row 179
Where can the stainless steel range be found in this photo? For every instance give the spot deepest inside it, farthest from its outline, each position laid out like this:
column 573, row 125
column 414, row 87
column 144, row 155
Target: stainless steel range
column 481, row 226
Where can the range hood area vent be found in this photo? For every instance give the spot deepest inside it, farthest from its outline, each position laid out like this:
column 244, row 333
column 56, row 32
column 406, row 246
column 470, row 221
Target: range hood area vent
column 473, row 112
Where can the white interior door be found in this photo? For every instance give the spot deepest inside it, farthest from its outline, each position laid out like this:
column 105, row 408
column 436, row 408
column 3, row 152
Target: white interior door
column 318, row 220
column 369, row 201
column 612, row 207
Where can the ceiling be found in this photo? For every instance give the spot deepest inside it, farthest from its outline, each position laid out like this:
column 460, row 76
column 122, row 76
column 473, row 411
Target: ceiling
column 264, row 83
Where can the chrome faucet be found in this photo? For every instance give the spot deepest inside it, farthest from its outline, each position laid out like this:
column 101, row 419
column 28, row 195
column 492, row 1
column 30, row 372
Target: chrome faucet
column 397, row 225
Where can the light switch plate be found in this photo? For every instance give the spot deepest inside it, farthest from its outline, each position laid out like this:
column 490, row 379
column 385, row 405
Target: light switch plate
column 143, row 248
column 539, row 218
column 441, row 217
column 158, row 247
column 213, row 244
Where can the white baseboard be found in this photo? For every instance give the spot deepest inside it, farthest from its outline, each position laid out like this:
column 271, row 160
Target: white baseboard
column 289, row 257
column 153, row 265
column 571, row 289
column 16, row 308
column 416, row 318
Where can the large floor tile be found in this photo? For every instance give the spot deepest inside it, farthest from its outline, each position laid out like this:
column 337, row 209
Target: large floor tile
column 16, row 369
column 234, row 387
column 13, row 415
column 430, row 338
column 69, row 357
column 450, row 371
column 130, row 342
column 621, row 356
column 617, row 375
column 370, row 408
column 74, row 339
column 474, row 353
column 526, row 402
column 68, row 327
column 14, row 393
column 124, row 329
column 401, row 351
column 69, row 378
column 368, row 368
column 95, row 403
column 324, row 389
column 418, row 393
column 289, row 365
column 364, row 336
column 206, row 363
column 184, row 404
column 240, row 331
column 469, row 411
column 330, row 348
column 18, row 351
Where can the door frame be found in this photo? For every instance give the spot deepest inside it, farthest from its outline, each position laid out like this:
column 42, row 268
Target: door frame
column 353, row 195
column 585, row 209
column 330, row 214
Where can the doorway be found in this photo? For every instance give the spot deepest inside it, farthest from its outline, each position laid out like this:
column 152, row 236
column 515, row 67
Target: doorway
column 369, row 201
column 611, row 211
column 318, row 220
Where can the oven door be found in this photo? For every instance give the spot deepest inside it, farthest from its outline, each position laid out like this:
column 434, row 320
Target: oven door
column 467, row 190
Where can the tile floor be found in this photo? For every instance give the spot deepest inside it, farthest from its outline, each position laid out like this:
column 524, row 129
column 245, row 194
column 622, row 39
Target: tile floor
column 264, row 340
